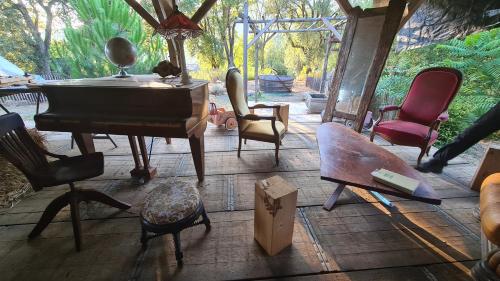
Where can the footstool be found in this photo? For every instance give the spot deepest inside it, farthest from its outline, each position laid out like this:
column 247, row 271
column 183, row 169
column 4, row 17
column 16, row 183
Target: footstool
column 170, row 209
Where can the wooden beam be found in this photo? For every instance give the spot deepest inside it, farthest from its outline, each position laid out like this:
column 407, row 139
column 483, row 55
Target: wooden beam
column 410, row 10
column 333, row 29
column 203, row 10
column 159, row 10
column 345, row 6
column 143, row 13
column 392, row 20
column 261, row 32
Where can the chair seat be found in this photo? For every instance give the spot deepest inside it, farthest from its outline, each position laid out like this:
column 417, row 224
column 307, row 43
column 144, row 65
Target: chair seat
column 72, row 169
column 262, row 130
column 405, row 133
column 170, row 204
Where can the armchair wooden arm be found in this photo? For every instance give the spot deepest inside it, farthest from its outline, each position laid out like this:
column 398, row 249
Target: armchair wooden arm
column 384, row 109
column 260, row 105
column 254, row 117
column 443, row 117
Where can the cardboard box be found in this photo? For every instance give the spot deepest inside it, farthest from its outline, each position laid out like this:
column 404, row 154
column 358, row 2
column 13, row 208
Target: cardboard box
column 275, row 203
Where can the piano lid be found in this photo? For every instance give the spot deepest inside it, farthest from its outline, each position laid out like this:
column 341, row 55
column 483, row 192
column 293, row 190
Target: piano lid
column 135, row 81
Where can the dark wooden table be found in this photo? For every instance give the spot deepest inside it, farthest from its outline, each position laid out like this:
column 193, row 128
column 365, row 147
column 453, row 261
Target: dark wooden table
column 348, row 158
column 138, row 106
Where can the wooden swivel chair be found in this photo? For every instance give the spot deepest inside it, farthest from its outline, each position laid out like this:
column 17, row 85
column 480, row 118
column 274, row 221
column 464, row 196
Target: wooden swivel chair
column 423, row 110
column 250, row 126
column 18, row 147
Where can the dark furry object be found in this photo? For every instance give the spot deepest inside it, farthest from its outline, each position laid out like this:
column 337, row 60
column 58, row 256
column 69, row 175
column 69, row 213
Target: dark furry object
column 166, row 68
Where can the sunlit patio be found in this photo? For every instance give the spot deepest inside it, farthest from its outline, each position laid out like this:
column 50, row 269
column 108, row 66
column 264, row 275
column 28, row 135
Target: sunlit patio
column 359, row 239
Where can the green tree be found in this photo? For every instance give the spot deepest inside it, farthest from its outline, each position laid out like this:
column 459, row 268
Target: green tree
column 32, row 20
column 81, row 54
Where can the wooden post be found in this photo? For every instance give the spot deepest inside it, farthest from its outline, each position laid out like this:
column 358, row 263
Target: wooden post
column 325, row 64
column 393, row 17
column 143, row 13
column 256, row 67
column 245, row 50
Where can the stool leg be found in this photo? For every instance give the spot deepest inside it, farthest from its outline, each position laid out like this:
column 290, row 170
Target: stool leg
column 144, row 238
column 178, row 252
column 206, row 220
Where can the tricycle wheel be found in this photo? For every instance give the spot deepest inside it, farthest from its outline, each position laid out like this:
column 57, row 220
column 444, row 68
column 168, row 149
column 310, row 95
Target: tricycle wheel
column 231, row 123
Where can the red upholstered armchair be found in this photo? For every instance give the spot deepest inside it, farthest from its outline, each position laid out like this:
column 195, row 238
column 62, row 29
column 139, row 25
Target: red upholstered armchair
column 422, row 111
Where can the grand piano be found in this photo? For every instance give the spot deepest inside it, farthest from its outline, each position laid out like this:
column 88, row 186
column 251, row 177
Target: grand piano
column 138, row 106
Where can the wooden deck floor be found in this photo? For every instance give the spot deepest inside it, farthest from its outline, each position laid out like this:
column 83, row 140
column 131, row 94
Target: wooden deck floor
column 359, row 240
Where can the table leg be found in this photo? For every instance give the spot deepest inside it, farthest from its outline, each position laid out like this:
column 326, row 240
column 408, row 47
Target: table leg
column 330, row 203
column 85, row 143
column 141, row 170
column 198, row 152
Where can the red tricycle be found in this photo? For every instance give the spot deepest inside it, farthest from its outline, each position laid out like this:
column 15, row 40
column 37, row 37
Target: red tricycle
column 219, row 116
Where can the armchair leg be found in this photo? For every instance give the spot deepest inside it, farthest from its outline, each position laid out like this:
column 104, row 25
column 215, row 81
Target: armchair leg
column 239, row 147
column 94, row 195
column 276, row 151
column 75, row 219
column 428, row 149
column 422, row 152
column 245, row 141
column 372, row 135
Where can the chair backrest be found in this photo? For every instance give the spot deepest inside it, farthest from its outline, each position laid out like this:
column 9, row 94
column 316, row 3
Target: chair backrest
column 234, row 86
column 430, row 93
column 17, row 146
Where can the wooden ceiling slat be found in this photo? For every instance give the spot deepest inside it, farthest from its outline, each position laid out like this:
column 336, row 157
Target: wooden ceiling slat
column 143, row 13
column 345, row 6
column 203, row 10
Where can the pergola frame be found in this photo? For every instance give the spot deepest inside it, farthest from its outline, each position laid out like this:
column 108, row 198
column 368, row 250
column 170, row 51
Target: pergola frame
column 397, row 13
column 322, row 24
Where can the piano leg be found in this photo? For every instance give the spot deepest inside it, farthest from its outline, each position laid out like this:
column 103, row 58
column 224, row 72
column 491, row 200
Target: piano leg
column 198, row 152
column 85, row 143
column 141, row 170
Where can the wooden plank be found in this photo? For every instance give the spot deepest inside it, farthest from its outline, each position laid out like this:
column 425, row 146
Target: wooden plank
column 230, row 245
column 389, row 30
column 490, row 164
column 143, row 13
column 202, row 10
column 375, row 240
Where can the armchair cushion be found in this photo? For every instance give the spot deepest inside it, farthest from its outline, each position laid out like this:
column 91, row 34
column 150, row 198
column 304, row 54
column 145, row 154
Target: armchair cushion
column 405, row 133
column 261, row 130
column 429, row 95
column 489, row 206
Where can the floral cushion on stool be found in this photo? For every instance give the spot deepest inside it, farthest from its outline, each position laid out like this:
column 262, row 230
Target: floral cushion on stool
column 172, row 203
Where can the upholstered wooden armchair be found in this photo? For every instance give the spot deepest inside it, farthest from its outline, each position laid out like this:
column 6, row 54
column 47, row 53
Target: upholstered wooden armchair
column 250, row 126
column 18, row 147
column 423, row 110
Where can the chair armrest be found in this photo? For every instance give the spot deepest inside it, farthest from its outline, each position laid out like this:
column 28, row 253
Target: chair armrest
column 383, row 109
column 58, row 156
column 257, row 106
column 254, row 117
column 443, row 117
column 388, row 108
